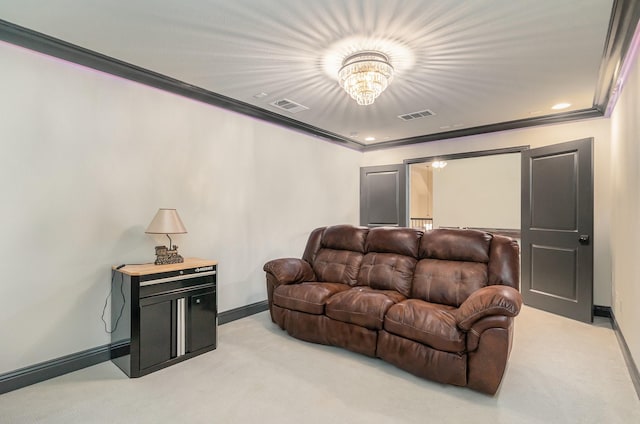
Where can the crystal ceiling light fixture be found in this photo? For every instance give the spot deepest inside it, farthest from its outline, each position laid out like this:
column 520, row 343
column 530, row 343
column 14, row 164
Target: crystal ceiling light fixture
column 364, row 75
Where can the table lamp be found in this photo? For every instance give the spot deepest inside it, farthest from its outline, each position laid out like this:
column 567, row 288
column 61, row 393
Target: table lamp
column 167, row 221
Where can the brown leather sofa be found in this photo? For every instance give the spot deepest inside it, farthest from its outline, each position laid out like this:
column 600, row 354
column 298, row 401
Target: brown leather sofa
column 439, row 304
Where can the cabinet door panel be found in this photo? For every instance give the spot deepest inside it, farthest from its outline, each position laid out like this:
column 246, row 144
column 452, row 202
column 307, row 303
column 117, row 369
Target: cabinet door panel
column 201, row 321
column 155, row 333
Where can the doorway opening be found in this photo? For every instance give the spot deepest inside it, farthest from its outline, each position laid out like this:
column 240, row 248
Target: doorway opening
column 479, row 190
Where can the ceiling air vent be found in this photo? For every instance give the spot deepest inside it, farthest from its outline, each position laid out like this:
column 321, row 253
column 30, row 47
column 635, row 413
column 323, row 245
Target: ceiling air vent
column 415, row 115
column 289, row 106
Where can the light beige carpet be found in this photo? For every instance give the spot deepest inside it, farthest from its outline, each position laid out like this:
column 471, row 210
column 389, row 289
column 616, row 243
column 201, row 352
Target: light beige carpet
column 561, row 371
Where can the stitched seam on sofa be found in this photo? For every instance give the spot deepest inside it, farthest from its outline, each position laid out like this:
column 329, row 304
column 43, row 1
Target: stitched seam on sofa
column 367, row 278
column 429, row 281
column 496, row 308
column 349, row 312
column 426, row 278
column 377, row 323
column 298, row 300
column 457, row 285
column 416, row 328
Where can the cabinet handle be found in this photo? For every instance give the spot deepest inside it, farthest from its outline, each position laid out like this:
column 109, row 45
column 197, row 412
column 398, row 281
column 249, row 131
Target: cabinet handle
column 181, row 324
column 178, row 278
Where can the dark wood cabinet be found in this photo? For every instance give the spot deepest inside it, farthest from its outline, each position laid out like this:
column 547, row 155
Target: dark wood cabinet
column 163, row 314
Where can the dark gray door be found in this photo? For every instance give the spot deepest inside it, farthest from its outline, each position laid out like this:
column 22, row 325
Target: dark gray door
column 383, row 196
column 557, row 229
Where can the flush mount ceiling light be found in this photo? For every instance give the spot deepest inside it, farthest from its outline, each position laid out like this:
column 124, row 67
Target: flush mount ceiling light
column 364, row 75
column 560, row 106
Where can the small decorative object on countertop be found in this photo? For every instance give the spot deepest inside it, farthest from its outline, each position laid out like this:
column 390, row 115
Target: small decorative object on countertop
column 165, row 256
column 167, row 221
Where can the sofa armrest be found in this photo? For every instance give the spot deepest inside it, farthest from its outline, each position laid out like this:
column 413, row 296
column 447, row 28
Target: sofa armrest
column 490, row 300
column 289, row 271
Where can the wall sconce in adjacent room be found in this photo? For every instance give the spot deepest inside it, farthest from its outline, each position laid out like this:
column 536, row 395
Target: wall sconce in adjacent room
column 167, row 221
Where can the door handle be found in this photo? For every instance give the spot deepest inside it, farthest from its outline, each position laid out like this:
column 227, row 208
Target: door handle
column 584, row 239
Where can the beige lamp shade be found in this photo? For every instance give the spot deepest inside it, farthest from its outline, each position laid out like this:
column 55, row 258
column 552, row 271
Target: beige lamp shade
column 166, row 221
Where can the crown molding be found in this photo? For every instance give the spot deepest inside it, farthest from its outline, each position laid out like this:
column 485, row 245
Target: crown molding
column 624, row 20
column 483, row 129
column 625, row 16
column 36, row 41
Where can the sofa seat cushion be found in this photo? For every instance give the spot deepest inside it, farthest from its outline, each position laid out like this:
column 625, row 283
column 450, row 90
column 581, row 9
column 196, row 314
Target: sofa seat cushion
column 428, row 323
column 362, row 306
column 306, row 297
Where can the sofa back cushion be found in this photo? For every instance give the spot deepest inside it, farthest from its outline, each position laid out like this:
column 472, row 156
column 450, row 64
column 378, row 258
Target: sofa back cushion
column 453, row 264
column 401, row 241
column 447, row 282
column 390, row 259
column 504, row 262
column 455, row 245
column 344, row 237
column 340, row 254
column 387, row 271
column 337, row 266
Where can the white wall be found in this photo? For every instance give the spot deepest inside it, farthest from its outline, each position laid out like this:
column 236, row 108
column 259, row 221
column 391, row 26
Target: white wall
column 599, row 129
column 625, row 210
column 481, row 192
column 86, row 159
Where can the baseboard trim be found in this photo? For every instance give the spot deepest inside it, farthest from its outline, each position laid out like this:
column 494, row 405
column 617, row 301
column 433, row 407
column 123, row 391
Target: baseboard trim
column 242, row 312
column 626, row 353
column 602, row 311
column 56, row 367
column 76, row 361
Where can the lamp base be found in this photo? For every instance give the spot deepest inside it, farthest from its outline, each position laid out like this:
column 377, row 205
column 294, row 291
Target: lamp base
column 165, row 256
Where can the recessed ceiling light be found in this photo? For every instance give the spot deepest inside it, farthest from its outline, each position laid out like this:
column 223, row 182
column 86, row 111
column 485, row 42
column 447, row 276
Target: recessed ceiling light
column 260, row 95
column 560, row 106
column 370, row 139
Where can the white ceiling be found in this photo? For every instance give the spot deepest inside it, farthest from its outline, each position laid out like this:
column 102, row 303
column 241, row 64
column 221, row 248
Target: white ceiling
column 472, row 63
